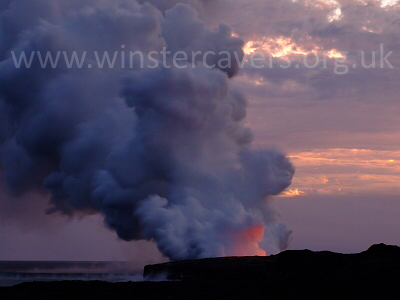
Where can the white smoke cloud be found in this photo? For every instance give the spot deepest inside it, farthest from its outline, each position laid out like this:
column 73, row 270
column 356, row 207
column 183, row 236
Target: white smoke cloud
column 161, row 152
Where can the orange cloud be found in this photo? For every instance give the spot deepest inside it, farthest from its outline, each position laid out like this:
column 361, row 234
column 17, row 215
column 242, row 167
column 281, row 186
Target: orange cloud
column 333, row 171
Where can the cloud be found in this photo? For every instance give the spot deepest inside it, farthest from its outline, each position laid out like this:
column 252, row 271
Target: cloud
column 162, row 152
column 305, row 26
column 344, row 171
column 339, row 103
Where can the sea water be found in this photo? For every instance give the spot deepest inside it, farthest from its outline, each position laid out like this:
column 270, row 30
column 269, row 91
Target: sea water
column 15, row 272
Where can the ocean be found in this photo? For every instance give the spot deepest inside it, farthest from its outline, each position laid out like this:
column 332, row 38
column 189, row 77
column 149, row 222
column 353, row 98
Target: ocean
column 15, row 272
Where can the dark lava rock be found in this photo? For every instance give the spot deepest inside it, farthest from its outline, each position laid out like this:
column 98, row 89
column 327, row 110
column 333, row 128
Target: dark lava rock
column 295, row 274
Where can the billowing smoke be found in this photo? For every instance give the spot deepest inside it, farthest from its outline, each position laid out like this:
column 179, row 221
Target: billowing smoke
column 160, row 151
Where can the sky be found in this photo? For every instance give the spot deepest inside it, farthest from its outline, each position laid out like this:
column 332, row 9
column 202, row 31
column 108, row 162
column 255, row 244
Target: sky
column 323, row 92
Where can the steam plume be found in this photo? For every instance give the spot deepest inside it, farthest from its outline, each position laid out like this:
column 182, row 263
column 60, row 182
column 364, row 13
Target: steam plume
column 161, row 152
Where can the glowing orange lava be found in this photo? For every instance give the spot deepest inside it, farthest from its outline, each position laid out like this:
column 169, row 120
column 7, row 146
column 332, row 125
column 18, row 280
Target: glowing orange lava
column 246, row 242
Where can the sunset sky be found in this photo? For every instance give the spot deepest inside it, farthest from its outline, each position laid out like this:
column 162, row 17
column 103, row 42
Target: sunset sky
column 327, row 96
column 340, row 131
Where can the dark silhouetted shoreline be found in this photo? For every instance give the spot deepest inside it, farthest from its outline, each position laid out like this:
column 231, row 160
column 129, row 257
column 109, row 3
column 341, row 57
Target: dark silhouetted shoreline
column 293, row 274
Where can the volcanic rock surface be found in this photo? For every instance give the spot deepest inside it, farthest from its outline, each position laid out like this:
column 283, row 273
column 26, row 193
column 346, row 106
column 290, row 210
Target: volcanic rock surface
column 294, row 274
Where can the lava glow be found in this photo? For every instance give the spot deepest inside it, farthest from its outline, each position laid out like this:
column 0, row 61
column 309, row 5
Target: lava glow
column 246, row 242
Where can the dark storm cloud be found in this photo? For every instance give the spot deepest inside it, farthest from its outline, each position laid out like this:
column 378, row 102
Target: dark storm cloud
column 161, row 152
